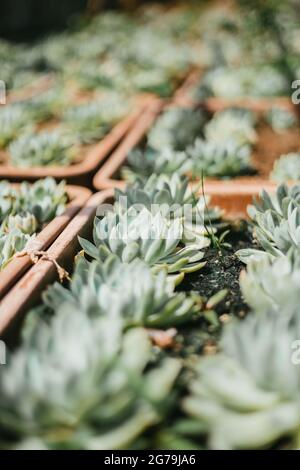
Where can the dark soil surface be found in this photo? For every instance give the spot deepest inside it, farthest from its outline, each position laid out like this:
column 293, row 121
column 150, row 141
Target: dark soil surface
column 222, row 271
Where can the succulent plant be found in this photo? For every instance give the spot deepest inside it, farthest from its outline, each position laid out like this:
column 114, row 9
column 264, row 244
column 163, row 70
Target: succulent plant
column 43, row 149
column 247, row 397
column 140, row 297
column 218, row 159
column 150, row 50
column 276, row 220
column 171, row 196
column 91, row 121
column 158, row 189
column 145, row 163
column 236, row 124
column 176, row 128
column 13, row 121
column 233, row 82
column 45, row 198
column 24, row 211
column 8, row 199
column 57, row 50
column 107, row 75
column 272, row 284
column 286, row 168
column 25, row 222
column 11, row 243
column 98, row 397
column 160, row 242
column 153, row 81
column 281, row 119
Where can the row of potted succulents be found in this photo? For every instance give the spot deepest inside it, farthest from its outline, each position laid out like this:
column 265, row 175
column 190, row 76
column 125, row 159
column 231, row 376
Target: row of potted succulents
column 31, row 217
column 73, row 90
column 93, row 71
column 146, row 346
column 51, row 136
column 197, row 141
column 176, row 323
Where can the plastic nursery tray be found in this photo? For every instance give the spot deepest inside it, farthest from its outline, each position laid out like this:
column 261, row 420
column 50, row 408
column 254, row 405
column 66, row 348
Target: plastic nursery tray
column 270, row 146
column 27, row 292
column 80, row 173
column 19, row 265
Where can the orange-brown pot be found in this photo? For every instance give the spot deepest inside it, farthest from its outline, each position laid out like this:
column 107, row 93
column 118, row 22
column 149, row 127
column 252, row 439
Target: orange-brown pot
column 18, row 266
column 79, row 173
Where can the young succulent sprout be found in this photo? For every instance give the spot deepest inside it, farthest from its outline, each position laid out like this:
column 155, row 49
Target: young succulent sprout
column 235, row 124
column 224, row 159
column 42, row 149
column 102, row 385
column 141, row 297
column 153, row 238
column 272, row 284
column 281, row 119
column 176, row 128
column 247, row 396
column 142, row 164
column 287, row 168
column 276, row 220
column 13, row 121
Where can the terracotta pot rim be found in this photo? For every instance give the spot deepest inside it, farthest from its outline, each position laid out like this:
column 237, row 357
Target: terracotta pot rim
column 18, row 266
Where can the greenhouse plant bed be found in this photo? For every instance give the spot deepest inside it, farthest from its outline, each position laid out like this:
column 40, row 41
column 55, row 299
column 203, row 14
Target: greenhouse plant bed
column 80, row 173
column 27, row 292
column 269, row 147
column 19, row 265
